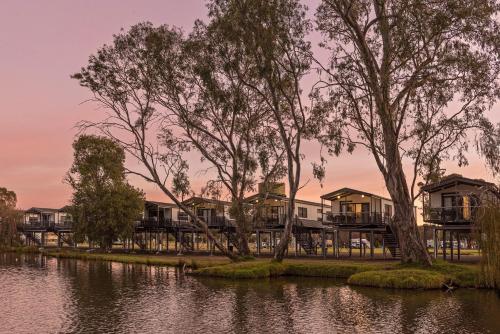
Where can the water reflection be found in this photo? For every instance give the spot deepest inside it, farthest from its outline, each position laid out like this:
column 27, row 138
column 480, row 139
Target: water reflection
column 70, row 296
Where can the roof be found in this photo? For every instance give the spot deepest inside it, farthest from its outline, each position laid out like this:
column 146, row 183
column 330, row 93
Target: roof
column 311, row 223
column 196, row 199
column 455, row 179
column 349, row 191
column 41, row 210
column 161, row 204
column 280, row 198
column 65, row 208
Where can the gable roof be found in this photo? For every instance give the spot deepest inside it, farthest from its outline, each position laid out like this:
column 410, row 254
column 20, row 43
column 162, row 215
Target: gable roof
column 279, row 198
column 41, row 210
column 453, row 180
column 160, row 204
column 349, row 191
column 198, row 200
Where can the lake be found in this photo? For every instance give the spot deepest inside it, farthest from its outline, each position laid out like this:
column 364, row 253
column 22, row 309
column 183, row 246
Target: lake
column 48, row 295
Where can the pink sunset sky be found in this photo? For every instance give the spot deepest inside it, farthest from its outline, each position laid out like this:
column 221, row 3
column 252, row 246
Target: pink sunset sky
column 43, row 42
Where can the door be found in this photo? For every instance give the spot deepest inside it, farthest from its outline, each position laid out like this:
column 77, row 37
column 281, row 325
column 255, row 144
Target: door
column 365, row 213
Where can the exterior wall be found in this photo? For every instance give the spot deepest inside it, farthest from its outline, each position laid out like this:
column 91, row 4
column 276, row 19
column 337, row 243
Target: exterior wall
column 462, row 189
column 312, row 210
column 376, row 204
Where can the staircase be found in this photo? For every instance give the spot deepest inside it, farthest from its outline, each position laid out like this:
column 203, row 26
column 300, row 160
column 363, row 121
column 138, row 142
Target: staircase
column 140, row 240
column 186, row 241
column 66, row 239
column 306, row 241
column 33, row 238
column 231, row 237
column 391, row 242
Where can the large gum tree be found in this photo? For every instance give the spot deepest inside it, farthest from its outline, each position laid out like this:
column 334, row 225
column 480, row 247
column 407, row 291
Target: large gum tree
column 268, row 39
column 412, row 82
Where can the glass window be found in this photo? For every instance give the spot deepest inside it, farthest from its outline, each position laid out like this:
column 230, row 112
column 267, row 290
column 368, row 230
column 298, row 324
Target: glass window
column 302, row 212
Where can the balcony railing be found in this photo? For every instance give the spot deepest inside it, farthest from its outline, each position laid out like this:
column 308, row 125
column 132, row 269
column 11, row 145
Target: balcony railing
column 340, row 218
column 217, row 221
column 46, row 225
column 456, row 214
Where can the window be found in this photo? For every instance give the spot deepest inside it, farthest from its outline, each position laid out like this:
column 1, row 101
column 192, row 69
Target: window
column 388, row 210
column 302, row 212
column 182, row 216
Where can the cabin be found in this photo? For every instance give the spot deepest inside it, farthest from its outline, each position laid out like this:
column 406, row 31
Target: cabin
column 270, row 203
column 160, row 211
column 214, row 212
column 47, row 217
column 450, row 206
column 351, row 206
column 454, row 200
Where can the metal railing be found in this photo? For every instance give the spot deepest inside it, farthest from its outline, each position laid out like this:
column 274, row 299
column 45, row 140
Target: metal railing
column 153, row 222
column 339, row 218
column 451, row 214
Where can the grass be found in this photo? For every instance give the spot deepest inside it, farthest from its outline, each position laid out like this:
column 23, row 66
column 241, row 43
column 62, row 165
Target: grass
column 419, row 277
column 382, row 274
column 399, row 279
column 193, row 262
column 290, row 267
column 374, row 274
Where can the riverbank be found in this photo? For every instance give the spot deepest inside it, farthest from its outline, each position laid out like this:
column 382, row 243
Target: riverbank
column 382, row 274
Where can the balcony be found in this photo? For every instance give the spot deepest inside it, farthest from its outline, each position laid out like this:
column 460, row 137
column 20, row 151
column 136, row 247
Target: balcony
column 451, row 215
column 358, row 218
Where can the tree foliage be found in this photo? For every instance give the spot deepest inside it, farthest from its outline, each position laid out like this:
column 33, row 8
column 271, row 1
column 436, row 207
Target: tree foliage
column 411, row 81
column 271, row 57
column 9, row 216
column 104, row 206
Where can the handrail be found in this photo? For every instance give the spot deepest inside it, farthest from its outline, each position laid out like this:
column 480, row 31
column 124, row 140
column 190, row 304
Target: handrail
column 450, row 214
column 349, row 217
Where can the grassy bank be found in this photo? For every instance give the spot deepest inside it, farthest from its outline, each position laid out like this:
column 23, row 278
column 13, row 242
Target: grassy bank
column 193, row 262
column 290, row 267
column 381, row 274
column 373, row 274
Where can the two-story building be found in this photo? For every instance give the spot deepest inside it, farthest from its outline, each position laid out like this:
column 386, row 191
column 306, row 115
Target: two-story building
column 454, row 200
column 269, row 205
column 351, row 206
column 450, row 206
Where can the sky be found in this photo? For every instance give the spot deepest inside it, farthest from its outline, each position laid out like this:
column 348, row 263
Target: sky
column 43, row 42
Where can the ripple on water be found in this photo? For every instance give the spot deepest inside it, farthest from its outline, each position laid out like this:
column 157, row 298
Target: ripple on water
column 71, row 296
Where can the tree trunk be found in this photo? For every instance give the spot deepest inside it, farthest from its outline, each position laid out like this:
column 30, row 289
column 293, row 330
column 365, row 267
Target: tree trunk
column 279, row 254
column 404, row 223
column 241, row 231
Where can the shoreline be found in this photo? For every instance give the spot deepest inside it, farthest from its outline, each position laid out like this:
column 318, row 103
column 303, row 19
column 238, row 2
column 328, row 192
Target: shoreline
column 370, row 273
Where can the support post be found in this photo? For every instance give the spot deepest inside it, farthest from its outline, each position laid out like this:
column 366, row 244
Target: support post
column 458, row 245
column 360, row 244
column 350, row 244
column 336, row 246
column 323, row 245
column 258, row 241
column 435, row 244
column 383, row 247
column 444, row 244
column 451, row 245
column 372, row 253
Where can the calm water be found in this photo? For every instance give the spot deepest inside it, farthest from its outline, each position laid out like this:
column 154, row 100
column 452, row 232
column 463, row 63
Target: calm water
column 46, row 295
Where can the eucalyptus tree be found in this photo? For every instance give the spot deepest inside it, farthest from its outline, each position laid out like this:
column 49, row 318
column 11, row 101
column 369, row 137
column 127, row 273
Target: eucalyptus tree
column 268, row 39
column 222, row 119
column 125, row 79
column 184, row 90
column 411, row 81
